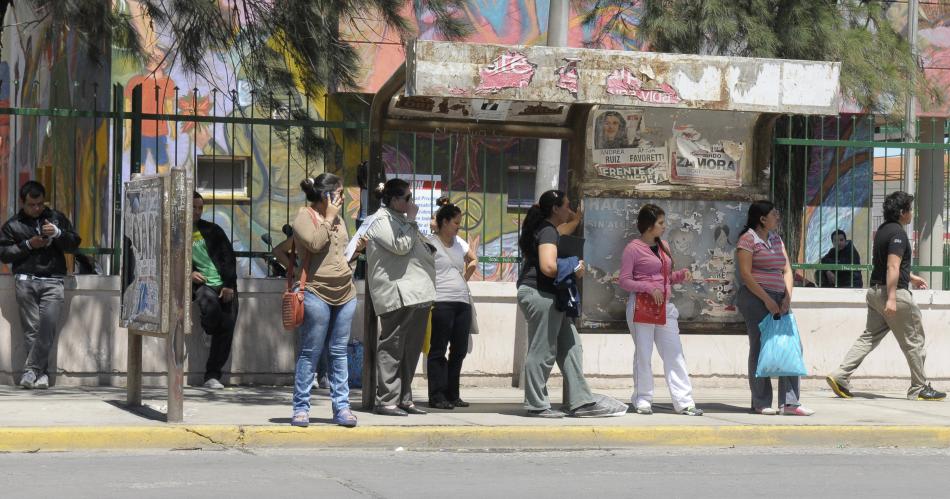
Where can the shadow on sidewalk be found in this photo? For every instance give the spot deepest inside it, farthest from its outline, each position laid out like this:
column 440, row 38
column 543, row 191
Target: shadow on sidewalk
column 313, row 420
column 144, row 411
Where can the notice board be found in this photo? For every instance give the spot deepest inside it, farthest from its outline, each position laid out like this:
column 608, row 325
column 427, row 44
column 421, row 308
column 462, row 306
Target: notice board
column 702, row 235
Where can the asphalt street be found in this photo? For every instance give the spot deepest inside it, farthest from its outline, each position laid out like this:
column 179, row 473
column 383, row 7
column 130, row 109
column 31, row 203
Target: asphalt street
column 656, row 472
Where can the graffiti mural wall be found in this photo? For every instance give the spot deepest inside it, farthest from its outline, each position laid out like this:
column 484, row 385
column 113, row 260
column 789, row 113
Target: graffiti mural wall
column 68, row 155
column 277, row 165
column 509, row 22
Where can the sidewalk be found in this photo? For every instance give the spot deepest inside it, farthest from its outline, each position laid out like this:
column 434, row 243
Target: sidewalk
column 96, row 418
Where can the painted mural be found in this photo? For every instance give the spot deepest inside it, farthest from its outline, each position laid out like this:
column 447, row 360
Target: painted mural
column 276, row 163
column 509, row 22
column 838, row 189
column 933, row 38
column 68, row 155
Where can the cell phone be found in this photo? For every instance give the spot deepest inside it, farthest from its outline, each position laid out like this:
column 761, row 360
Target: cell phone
column 579, row 266
column 328, row 196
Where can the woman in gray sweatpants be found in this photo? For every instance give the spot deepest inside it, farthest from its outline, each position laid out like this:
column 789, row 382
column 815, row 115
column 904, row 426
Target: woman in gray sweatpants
column 552, row 336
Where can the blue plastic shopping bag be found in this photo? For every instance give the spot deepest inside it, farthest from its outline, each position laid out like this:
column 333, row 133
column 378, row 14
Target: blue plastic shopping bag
column 781, row 348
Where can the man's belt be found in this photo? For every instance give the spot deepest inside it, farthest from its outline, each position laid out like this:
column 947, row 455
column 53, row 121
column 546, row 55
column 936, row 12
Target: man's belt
column 31, row 277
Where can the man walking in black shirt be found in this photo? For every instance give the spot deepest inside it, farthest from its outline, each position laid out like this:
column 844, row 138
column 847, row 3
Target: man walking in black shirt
column 35, row 241
column 891, row 305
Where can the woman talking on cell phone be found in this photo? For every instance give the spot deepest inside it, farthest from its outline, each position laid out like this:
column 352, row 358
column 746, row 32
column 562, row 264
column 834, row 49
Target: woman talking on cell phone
column 646, row 272
column 320, row 239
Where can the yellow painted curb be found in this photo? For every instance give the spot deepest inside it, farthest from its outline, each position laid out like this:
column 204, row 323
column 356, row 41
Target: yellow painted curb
column 464, row 437
column 116, row 437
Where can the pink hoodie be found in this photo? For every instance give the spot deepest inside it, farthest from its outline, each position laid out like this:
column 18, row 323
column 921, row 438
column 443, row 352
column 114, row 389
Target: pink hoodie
column 642, row 272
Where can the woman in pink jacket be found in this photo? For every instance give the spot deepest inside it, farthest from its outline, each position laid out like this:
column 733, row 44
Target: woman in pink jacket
column 646, row 273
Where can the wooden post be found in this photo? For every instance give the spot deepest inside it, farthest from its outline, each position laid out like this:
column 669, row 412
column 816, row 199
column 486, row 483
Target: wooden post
column 133, row 379
column 179, row 303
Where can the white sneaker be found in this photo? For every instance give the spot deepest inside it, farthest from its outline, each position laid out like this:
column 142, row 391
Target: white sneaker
column 42, row 383
column 213, row 384
column 28, row 380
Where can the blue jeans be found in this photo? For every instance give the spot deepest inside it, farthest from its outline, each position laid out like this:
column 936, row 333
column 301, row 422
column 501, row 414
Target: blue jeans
column 320, row 319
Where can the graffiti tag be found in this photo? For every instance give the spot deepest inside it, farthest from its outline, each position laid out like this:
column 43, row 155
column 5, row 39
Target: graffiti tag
column 623, row 82
column 567, row 76
column 509, row 70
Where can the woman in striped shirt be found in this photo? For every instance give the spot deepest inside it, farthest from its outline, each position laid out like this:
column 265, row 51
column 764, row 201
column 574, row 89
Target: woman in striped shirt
column 766, row 290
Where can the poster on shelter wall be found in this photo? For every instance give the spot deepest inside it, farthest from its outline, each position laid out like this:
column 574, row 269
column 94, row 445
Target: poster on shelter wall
column 702, row 236
column 144, row 225
column 620, row 151
column 426, row 191
column 695, row 161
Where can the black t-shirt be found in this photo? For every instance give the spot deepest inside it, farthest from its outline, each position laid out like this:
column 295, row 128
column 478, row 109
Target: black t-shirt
column 891, row 239
column 531, row 274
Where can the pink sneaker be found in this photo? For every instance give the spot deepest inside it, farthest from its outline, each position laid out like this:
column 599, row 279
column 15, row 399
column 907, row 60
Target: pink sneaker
column 796, row 410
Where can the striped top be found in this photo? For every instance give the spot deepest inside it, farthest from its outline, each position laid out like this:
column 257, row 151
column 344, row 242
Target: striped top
column 768, row 259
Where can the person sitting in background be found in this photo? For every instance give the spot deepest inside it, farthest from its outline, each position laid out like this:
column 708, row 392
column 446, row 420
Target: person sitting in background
column 842, row 252
column 214, row 289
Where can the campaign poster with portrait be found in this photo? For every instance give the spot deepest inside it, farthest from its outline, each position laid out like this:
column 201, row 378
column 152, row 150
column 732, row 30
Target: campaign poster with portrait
column 696, row 161
column 620, row 150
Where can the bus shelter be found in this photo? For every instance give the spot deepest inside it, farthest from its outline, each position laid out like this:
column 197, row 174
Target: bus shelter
column 691, row 133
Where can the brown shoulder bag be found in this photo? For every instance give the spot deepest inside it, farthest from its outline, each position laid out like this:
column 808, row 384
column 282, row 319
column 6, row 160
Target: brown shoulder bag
column 291, row 304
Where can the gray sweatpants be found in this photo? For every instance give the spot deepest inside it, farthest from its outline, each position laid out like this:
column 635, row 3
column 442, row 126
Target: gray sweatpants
column 41, row 302
column 552, row 338
column 401, row 335
column 753, row 311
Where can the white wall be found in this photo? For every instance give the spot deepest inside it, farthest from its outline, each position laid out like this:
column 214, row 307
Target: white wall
column 91, row 348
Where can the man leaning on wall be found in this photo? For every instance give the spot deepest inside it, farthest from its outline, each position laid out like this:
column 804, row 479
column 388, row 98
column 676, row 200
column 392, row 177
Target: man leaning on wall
column 35, row 242
column 214, row 290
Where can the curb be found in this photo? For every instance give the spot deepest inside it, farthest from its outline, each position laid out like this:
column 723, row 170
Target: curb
column 464, row 437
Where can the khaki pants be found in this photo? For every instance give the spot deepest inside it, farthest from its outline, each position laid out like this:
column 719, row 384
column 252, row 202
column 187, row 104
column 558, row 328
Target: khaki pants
column 908, row 330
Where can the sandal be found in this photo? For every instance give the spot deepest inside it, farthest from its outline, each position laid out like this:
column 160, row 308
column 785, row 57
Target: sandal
column 301, row 419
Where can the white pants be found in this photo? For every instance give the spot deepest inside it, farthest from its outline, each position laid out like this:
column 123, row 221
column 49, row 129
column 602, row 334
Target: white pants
column 667, row 339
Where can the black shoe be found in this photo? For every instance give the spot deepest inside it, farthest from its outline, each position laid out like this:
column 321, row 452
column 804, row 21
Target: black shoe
column 839, row 390
column 928, row 393
column 460, row 403
column 441, row 404
column 389, row 411
column 412, row 409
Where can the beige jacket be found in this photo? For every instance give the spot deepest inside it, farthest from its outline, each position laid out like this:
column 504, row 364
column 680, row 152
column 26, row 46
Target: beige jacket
column 329, row 276
column 400, row 267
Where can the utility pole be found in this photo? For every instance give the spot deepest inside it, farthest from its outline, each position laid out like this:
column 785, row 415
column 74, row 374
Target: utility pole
column 910, row 116
column 547, row 175
column 549, row 150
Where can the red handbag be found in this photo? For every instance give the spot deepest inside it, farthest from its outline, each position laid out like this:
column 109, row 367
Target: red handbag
column 647, row 311
column 291, row 302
